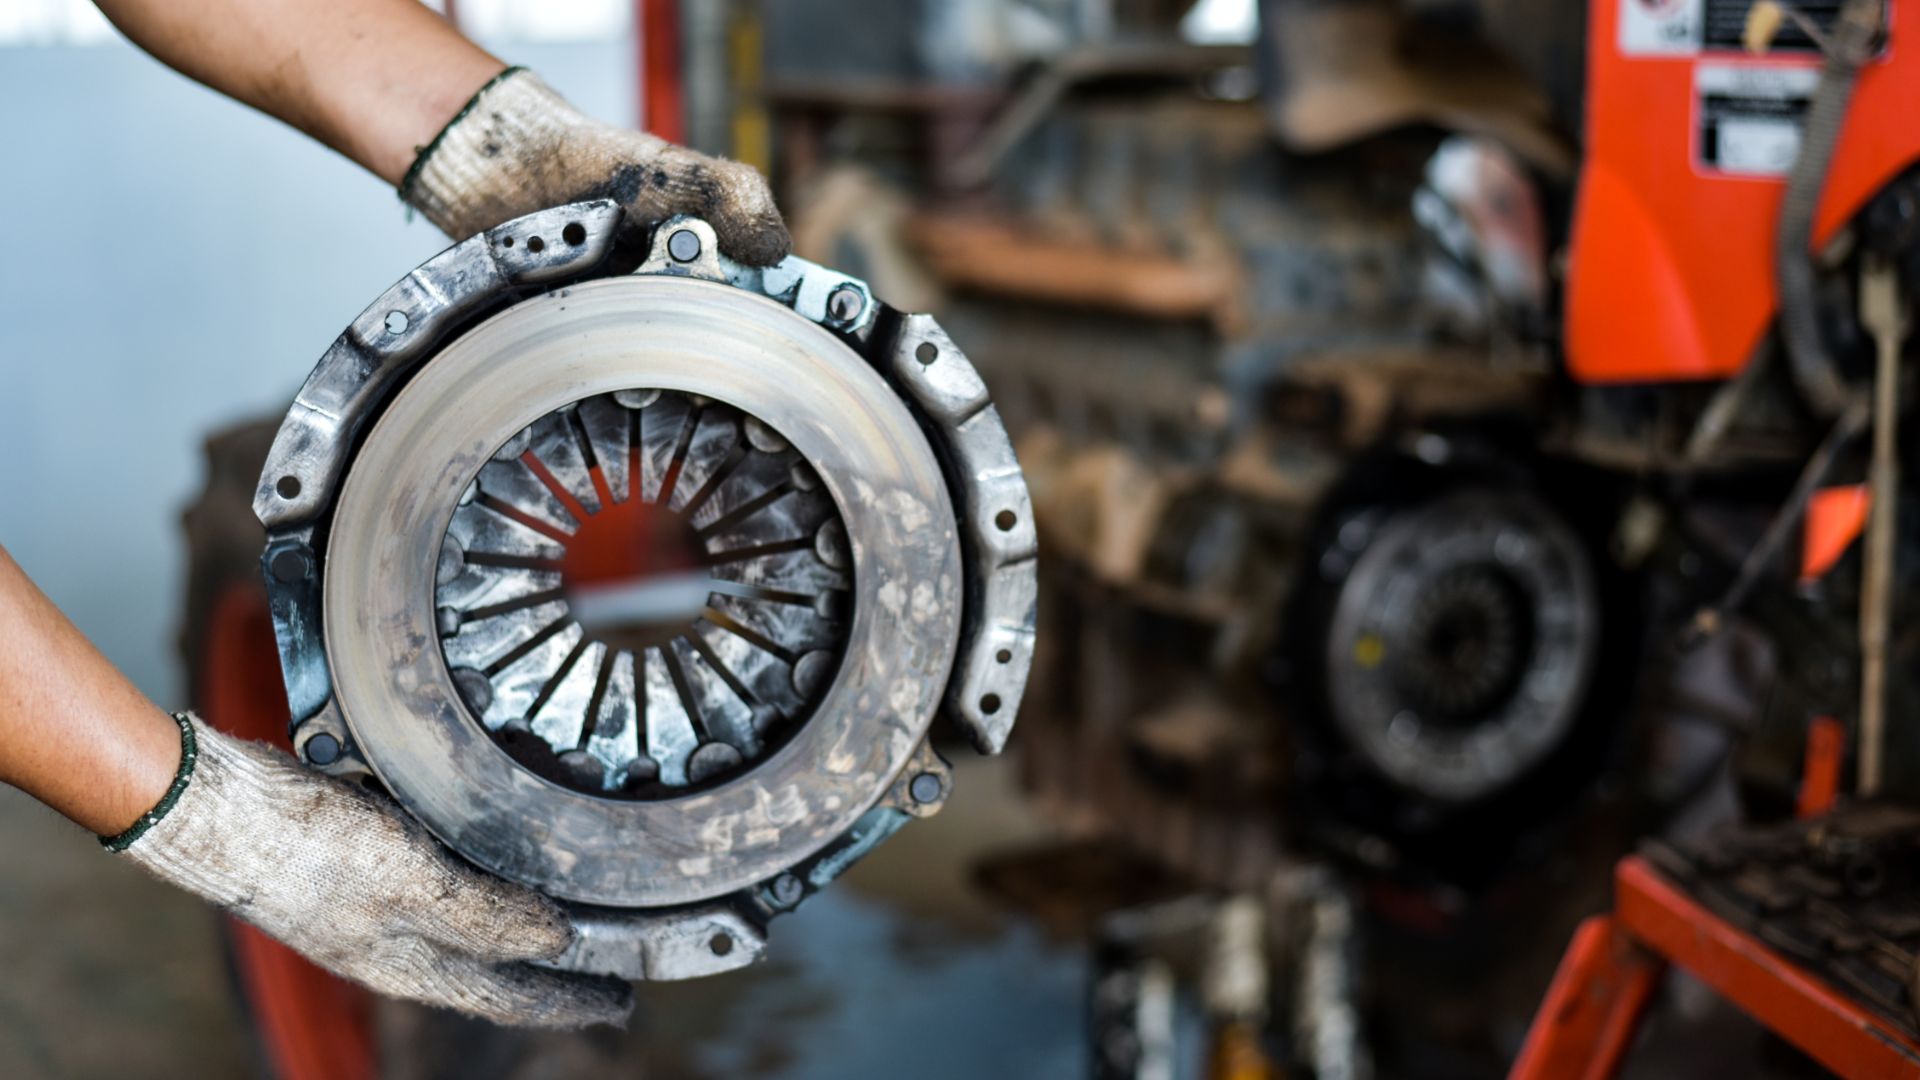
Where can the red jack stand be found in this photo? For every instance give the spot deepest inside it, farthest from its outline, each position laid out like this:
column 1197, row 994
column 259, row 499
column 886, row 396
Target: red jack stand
column 1593, row 1008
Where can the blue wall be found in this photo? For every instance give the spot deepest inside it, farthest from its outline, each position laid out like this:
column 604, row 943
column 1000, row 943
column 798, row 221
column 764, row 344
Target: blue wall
column 171, row 262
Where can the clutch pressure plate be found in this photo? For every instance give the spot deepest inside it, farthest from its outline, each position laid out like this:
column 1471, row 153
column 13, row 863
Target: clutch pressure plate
column 638, row 576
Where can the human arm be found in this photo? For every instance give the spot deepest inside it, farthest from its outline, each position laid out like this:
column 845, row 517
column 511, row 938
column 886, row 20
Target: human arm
column 325, row 867
column 380, row 81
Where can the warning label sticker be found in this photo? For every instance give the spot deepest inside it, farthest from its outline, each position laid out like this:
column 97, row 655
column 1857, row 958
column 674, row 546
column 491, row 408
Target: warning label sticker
column 1668, row 28
column 1749, row 117
column 1660, row 27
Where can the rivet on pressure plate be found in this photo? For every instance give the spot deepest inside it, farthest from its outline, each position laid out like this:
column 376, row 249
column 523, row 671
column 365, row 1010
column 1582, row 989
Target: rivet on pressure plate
column 786, row 890
column 925, row 788
column 323, row 749
column 288, row 566
column 684, row 245
column 845, row 303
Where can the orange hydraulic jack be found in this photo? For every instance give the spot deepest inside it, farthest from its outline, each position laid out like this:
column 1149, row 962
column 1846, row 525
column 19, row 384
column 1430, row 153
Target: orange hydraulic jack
column 1605, row 982
column 310, row 1025
column 1613, row 966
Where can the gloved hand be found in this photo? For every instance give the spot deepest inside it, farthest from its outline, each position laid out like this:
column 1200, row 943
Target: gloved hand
column 336, row 873
column 519, row 147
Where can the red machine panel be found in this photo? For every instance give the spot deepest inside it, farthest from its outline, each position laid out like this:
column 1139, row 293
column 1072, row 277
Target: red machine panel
column 1688, row 142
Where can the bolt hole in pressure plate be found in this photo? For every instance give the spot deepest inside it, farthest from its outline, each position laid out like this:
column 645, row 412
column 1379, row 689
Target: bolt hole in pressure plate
column 644, row 588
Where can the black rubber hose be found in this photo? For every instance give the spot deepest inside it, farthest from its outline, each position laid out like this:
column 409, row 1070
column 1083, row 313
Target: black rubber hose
column 1849, row 46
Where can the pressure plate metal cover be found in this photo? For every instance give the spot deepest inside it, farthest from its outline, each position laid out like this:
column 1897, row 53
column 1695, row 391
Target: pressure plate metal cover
column 642, row 586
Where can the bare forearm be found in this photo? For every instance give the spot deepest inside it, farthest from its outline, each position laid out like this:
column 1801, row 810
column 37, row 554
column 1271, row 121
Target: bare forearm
column 371, row 896
column 382, row 80
column 74, row 733
column 374, row 79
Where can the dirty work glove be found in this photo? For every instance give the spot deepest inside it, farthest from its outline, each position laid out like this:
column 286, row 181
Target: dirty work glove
column 518, row 147
column 340, row 876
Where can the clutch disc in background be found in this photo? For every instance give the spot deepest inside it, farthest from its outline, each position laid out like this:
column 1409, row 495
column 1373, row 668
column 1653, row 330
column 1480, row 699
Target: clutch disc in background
column 1463, row 643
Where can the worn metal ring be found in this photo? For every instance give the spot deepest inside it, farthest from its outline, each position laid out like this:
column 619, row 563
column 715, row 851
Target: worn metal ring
column 971, row 601
column 1373, row 627
column 696, row 337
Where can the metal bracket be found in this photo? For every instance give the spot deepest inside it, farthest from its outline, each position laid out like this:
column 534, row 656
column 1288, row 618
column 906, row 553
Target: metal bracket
column 945, row 390
column 400, row 329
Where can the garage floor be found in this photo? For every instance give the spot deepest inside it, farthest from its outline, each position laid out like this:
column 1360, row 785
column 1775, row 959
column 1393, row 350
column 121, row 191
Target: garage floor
column 902, row 967
column 901, row 964
column 108, row 972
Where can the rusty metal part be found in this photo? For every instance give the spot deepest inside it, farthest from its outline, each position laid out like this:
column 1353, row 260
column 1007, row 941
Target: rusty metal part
column 1039, row 97
column 685, row 752
column 1349, row 71
column 644, row 686
column 1390, row 388
column 855, row 217
column 1462, row 641
column 993, row 256
column 1193, row 333
column 402, row 702
column 397, row 331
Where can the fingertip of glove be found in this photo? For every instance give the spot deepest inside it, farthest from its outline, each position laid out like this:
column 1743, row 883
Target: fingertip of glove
column 750, row 226
column 572, row 1001
column 760, row 244
column 546, row 932
column 614, row 1007
column 527, row 996
column 756, row 236
column 505, row 922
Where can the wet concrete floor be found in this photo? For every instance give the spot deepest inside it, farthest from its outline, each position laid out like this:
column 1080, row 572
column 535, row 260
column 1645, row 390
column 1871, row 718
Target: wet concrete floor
column 901, row 967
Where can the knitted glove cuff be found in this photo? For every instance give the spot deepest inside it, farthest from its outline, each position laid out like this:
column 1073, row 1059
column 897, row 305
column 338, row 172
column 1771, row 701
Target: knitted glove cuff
column 189, row 754
column 495, row 160
column 249, row 830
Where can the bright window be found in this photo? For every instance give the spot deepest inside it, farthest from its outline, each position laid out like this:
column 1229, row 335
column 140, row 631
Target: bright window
column 78, row 22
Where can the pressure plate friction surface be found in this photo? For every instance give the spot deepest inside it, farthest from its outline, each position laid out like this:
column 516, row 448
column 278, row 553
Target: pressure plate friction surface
column 642, row 592
column 791, row 627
